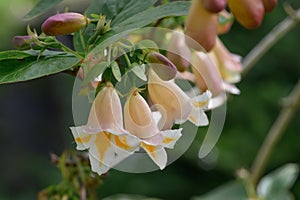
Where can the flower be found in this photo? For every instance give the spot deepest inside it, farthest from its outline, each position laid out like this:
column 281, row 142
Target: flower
column 225, row 22
column 269, row 5
column 229, row 64
column 103, row 135
column 174, row 104
column 64, row 23
column 249, row 13
column 140, row 122
column 214, row 6
column 201, row 26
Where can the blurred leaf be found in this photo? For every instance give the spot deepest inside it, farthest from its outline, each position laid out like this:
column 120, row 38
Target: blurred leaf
column 116, row 70
column 82, row 36
column 41, row 7
column 14, row 54
column 232, row 190
column 31, row 67
column 276, row 184
column 128, row 197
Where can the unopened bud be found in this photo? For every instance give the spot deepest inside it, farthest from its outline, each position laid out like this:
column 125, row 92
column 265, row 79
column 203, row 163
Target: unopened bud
column 163, row 67
column 64, row 23
column 22, row 42
column 249, row 13
column 225, row 21
column 214, row 6
column 201, row 26
column 269, row 5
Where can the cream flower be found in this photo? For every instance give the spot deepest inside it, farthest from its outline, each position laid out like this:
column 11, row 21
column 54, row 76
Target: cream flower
column 104, row 137
column 174, row 104
column 140, row 122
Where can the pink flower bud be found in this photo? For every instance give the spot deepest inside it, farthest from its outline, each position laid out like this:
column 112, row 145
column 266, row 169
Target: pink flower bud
column 64, row 23
column 164, row 68
column 214, row 6
column 201, row 26
column 269, row 5
column 249, row 13
column 22, row 42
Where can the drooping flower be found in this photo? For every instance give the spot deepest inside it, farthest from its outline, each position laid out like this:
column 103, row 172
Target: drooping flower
column 64, row 23
column 104, row 136
column 140, row 122
column 174, row 104
column 229, row 64
column 201, row 26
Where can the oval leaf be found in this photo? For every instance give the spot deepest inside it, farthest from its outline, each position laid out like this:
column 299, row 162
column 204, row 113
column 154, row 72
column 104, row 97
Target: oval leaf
column 116, row 71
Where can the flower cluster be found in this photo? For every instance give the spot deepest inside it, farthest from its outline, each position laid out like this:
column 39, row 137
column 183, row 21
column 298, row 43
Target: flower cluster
column 109, row 140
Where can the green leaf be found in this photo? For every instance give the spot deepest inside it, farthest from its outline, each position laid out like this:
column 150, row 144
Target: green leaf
column 14, row 54
column 31, row 68
column 82, row 36
column 119, row 10
column 142, row 19
column 41, row 7
column 116, row 70
column 232, row 190
column 98, row 69
column 277, row 183
column 139, row 71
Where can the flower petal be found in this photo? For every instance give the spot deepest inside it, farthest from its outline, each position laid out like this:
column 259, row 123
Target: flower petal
column 201, row 101
column 82, row 138
column 171, row 137
column 157, row 154
column 198, row 117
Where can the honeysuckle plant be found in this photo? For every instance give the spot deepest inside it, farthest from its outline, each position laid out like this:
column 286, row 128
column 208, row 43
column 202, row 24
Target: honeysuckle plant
column 102, row 55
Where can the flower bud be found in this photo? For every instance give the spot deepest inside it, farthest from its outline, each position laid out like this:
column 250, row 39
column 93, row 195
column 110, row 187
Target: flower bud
column 64, row 23
column 22, row 42
column 214, row 6
column 269, row 5
column 249, row 13
column 201, row 26
column 164, row 68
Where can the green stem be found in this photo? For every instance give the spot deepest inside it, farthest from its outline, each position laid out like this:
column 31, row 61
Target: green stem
column 275, row 133
column 268, row 41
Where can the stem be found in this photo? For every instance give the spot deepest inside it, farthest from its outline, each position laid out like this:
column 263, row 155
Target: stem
column 275, row 133
column 273, row 36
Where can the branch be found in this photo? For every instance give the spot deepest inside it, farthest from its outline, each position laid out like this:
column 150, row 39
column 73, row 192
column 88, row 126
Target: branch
column 273, row 36
column 275, row 133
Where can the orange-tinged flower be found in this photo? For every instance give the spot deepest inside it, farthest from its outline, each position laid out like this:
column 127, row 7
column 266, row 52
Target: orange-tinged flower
column 248, row 13
column 104, row 137
column 64, row 23
column 201, row 26
column 224, row 27
column 229, row 64
column 174, row 104
column 140, row 122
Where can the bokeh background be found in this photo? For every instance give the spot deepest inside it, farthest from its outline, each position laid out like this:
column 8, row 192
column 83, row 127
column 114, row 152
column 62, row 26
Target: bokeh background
column 35, row 117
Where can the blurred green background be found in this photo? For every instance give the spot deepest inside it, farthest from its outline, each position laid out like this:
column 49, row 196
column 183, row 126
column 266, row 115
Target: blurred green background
column 35, row 116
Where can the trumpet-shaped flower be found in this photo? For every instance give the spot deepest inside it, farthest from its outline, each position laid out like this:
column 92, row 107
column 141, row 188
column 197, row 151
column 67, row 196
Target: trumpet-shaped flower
column 174, row 104
column 229, row 64
column 103, row 135
column 139, row 121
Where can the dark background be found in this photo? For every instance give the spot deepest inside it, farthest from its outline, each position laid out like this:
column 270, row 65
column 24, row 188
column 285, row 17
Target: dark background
column 35, row 117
